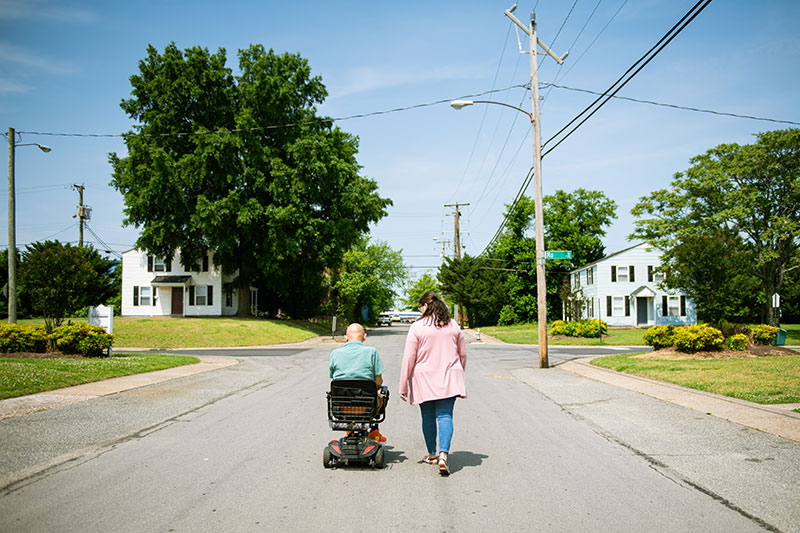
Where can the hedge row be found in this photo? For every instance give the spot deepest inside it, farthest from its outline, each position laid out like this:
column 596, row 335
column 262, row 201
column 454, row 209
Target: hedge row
column 690, row 339
column 591, row 328
column 84, row 339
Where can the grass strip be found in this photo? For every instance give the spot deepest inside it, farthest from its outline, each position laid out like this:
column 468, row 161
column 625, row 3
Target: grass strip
column 529, row 334
column 20, row 376
column 209, row 332
column 764, row 380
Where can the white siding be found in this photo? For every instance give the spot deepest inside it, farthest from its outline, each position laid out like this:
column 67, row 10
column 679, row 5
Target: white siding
column 135, row 274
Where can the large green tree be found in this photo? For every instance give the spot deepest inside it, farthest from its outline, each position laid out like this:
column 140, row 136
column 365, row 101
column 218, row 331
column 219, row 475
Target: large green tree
column 417, row 287
column 366, row 279
column 56, row 279
column 241, row 165
column 752, row 191
column 478, row 285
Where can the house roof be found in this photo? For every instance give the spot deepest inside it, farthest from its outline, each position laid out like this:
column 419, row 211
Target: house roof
column 609, row 256
column 170, row 280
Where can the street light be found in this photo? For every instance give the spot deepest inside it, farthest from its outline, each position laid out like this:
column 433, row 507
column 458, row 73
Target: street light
column 12, row 229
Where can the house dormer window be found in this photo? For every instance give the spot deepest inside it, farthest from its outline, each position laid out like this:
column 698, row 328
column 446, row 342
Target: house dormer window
column 654, row 275
column 158, row 264
column 622, row 274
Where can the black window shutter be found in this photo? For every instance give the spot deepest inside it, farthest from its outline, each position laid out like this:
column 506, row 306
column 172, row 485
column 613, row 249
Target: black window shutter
column 154, row 291
column 630, row 273
column 136, row 296
column 683, row 305
column 205, row 263
column 149, row 263
column 649, row 272
column 608, row 305
column 168, row 265
column 191, row 294
column 613, row 273
column 210, row 295
column 664, row 308
column 627, row 306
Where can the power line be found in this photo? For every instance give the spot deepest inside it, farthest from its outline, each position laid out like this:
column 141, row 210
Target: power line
column 624, row 79
column 319, row 120
column 674, row 106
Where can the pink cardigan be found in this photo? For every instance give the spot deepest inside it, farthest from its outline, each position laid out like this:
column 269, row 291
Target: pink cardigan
column 433, row 362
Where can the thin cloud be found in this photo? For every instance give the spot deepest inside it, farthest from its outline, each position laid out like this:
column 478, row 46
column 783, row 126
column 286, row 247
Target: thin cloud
column 21, row 56
column 44, row 10
column 8, row 86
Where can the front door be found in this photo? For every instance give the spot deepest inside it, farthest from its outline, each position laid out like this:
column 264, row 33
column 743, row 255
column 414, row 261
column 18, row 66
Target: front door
column 641, row 311
column 177, row 301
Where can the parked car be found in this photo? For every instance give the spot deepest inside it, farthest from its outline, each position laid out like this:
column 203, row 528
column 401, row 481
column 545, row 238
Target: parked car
column 385, row 319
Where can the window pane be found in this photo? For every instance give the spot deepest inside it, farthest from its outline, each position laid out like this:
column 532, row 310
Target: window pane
column 674, row 306
column 658, row 277
column 158, row 264
column 622, row 274
column 201, row 295
column 619, row 306
column 144, row 296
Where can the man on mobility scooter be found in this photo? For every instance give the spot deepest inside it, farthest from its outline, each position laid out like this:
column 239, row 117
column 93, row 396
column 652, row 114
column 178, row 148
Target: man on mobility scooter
column 356, row 402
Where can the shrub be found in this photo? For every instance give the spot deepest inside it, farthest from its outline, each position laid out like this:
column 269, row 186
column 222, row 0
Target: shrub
column 659, row 336
column 690, row 339
column 591, row 328
column 16, row 338
column 764, row 334
column 729, row 329
column 85, row 339
column 508, row 316
column 559, row 327
column 737, row 342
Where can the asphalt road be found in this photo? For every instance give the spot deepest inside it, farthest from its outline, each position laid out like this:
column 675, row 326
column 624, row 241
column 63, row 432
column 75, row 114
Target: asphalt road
column 239, row 449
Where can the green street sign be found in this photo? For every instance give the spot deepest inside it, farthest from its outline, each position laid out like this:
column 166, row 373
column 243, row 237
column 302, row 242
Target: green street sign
column 557, row 254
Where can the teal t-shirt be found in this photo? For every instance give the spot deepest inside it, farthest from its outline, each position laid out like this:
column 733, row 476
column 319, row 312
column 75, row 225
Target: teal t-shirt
column 355, row 361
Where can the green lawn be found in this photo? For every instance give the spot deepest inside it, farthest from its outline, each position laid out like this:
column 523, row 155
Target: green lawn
column 529, row 334
column 20, row 376
column 168, row 332
column 765, row 380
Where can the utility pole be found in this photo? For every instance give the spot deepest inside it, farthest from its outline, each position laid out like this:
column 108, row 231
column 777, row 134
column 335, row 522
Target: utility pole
column 12, row 232
column 457, row 250
column 84, row 212
column 457, row 236
column 541, row 287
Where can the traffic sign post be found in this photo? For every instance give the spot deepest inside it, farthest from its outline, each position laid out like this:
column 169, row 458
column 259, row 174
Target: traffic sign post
column 557, row 254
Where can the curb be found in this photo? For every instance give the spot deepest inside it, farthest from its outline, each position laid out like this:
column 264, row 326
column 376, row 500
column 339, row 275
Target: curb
column 777, row 420
column 42, row 401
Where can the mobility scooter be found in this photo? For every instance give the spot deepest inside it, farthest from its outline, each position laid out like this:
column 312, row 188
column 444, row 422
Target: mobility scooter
column 354, row 406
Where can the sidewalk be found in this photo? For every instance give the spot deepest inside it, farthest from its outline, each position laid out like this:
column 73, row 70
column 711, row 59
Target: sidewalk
column 42, row 401
column 779, row 420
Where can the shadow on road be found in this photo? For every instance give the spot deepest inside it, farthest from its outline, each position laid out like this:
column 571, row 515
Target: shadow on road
column 392, row 456
column 458, row 460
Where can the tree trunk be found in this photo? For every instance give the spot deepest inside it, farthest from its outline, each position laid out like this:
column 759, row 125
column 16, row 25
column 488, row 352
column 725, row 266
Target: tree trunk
column 244, row 299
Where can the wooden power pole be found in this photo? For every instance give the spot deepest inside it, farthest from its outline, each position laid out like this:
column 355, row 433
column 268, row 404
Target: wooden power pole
column 457, row 249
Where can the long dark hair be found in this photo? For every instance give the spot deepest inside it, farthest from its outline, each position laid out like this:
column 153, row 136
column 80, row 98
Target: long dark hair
column 436, row 309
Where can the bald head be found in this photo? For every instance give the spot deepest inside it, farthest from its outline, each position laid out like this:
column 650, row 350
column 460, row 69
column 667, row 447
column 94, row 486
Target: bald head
column 355, row 332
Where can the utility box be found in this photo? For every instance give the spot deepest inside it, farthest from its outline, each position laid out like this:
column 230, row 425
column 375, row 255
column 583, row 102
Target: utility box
column 102, row 315
column 780, row 340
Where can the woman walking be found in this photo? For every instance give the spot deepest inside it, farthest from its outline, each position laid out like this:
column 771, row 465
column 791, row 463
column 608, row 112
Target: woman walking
column 432, row 376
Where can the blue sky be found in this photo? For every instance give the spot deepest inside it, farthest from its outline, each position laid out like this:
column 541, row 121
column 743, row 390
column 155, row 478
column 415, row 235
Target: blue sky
column 64, row 68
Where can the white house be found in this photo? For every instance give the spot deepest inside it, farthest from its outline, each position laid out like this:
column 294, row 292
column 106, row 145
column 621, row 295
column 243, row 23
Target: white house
column 152, row 286
column 622, row 289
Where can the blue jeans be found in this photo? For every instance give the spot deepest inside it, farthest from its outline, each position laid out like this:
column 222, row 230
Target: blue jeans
column 437, row 413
